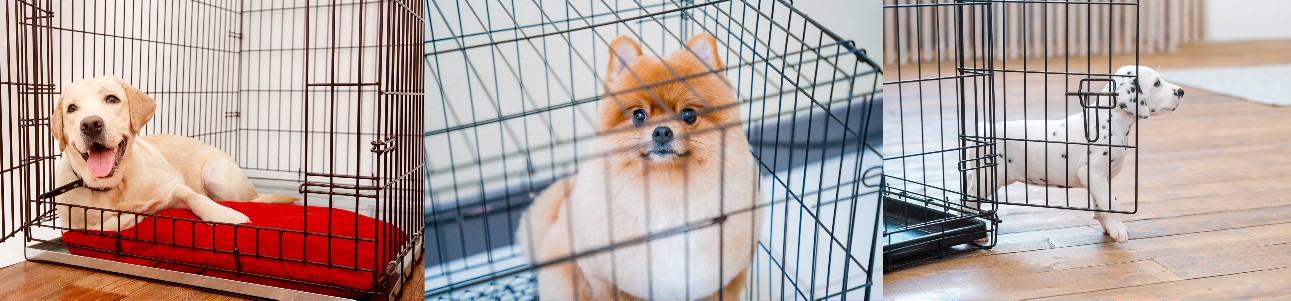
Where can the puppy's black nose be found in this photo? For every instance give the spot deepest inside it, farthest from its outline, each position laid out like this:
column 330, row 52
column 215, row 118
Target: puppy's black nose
column 92, row 126
column 1178, row 92
column 662, row 135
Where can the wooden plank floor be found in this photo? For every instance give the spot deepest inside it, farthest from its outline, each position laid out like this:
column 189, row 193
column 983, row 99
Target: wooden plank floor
column 1214, row 218
column 42, row 281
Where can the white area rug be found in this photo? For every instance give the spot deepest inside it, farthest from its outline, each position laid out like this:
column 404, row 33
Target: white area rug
column 1268, row 84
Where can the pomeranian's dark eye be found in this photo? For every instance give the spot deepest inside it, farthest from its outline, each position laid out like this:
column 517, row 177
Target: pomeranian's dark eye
column 638, row 117
column 1158, row 84
column 71, row 108
column 112, row 99
column 689, row 116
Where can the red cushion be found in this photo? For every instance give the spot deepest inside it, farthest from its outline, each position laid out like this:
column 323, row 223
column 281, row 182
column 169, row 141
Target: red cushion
column 186, row 240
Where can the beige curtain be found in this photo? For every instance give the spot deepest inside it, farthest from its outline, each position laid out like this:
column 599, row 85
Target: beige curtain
column 1033, row 30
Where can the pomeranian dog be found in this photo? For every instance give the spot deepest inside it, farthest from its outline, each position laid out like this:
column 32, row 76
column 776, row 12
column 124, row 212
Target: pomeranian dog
column 671, row 186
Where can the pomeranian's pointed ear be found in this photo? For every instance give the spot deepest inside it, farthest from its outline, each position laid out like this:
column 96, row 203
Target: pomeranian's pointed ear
column 141, row 105
column 56, row 124
column 704, row 46
column 623, row 53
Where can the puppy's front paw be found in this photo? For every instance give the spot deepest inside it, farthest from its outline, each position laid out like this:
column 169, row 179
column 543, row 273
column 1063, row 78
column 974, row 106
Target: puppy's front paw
column 1117, row 232
column 219, row 213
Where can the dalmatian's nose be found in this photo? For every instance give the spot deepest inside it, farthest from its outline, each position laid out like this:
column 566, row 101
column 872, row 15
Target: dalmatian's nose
column 1178, row 92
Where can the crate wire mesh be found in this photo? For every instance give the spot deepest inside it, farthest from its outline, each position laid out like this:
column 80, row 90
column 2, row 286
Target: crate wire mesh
column 519, row 85
column 320, row 98
column 961, row 67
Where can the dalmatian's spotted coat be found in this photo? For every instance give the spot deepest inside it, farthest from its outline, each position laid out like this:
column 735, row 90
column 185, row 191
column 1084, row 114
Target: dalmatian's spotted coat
column 1078, row 165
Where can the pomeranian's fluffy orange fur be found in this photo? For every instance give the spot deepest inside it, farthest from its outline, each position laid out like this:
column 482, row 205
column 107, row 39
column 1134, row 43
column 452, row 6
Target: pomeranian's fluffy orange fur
column 670, row 152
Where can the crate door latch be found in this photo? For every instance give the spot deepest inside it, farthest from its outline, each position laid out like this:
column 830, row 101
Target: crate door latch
column 1089, row 100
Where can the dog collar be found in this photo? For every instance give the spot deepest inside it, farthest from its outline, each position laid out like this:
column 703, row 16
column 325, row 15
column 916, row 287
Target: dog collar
column 69, row 187
column 79, row 183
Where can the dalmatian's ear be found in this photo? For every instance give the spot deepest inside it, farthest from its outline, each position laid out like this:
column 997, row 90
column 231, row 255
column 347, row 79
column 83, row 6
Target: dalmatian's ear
column 1127, row 88
column 1127, row 92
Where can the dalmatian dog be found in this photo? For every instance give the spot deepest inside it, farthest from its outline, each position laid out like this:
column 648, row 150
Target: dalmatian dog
column 1083, row 163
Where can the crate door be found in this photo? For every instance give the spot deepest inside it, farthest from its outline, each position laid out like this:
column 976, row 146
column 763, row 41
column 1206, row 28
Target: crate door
column 26, row 149
column 1048, row 61
column 362, row 115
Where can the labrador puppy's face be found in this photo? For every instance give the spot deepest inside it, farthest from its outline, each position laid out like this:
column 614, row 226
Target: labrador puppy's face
column 1150, row 95
column 95, row 122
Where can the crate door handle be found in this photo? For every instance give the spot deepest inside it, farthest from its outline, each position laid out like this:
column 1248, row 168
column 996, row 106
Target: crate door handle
column 383, row 146
column 1086, row 94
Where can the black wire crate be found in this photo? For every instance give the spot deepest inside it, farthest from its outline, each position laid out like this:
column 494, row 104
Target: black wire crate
column 317, row 99
column 995, row 104
column 734, row 156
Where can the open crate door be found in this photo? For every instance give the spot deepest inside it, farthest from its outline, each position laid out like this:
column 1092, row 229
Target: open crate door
column 1065, row 91
column 955, row 71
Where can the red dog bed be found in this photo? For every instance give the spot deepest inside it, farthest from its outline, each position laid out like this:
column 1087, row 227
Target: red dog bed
column 177, row 242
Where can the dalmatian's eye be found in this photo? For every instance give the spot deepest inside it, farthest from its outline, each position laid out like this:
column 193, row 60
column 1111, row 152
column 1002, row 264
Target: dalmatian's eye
column 1158, row 84
column 112, row 99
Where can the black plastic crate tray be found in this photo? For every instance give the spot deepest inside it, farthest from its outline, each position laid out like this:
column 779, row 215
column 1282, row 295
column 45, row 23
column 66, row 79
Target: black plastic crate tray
column 934, row 232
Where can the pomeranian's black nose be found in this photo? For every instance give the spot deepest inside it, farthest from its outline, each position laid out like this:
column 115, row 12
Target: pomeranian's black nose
column 92, row 126
column 1178, row 92
column 662, row 135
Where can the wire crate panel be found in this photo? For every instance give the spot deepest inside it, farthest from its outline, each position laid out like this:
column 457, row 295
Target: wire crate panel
column 320, row 99
column 517, row 88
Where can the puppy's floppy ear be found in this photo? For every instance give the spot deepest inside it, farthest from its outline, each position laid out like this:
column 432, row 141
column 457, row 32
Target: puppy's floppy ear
column 623, row 53
column 56, row 124
column 704, row 47
column 141, row 106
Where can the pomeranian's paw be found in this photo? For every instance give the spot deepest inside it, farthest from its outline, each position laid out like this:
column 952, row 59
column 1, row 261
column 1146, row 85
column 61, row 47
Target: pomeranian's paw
column 219, row 213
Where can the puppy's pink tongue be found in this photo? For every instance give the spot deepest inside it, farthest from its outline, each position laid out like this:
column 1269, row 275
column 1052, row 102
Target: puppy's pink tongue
column 101, row 162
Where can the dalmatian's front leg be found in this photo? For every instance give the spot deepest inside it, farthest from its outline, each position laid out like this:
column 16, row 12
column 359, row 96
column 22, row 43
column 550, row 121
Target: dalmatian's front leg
column 1100, row 187
column 980, row 186
column 982, row 183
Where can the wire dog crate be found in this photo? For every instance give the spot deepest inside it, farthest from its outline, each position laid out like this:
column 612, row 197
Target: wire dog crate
column 521, row 93
column 956, row 69
column 320, row 98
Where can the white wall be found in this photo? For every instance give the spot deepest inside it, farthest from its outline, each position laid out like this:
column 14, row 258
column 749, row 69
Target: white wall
column 1239, row 20
column 858, row 20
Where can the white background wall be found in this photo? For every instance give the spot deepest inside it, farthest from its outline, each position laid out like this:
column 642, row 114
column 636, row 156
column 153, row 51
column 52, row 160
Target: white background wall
column 858, row 20
column 1238, row 20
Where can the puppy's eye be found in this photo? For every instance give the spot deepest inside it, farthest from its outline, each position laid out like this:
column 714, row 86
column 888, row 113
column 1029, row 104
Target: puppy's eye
column 638, row 117
column 689, row 116
column 1158, row 84
column 112, row 99
column 71, row 108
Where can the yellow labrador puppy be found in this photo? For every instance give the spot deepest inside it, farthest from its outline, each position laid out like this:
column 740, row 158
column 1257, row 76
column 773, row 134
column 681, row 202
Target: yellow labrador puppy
column 97, row 122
